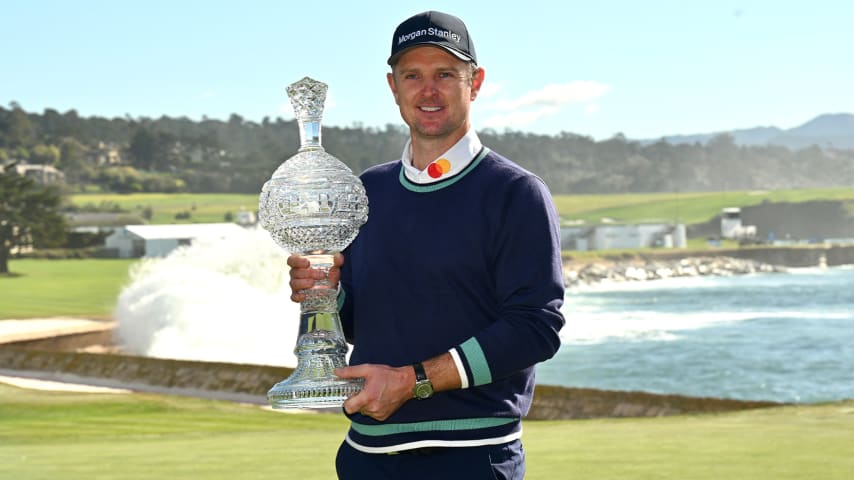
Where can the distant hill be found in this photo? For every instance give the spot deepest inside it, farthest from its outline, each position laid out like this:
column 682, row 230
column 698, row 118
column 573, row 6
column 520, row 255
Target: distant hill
column 828, row 131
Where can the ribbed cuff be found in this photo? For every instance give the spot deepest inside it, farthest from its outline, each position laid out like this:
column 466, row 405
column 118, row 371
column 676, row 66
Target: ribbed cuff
column 461, row 370
column 474, row 361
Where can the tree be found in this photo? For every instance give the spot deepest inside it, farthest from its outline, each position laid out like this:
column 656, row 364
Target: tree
column 72, row 161
column 45, row 154
column 121, row 179
column 143, row 148
column 29, row 215
column 19, row 131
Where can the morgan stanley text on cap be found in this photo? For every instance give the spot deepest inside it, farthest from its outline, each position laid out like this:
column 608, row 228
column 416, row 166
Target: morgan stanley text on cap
column 433, row 28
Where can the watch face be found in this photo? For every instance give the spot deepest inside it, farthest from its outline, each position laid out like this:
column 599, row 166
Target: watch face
column 423, row 390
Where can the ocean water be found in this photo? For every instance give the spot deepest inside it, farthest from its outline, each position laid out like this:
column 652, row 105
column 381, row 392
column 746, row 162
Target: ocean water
column 779, row 336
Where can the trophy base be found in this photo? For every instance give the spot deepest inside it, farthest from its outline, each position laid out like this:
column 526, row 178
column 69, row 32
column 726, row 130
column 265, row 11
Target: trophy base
column 313, row 392
column 320, row 350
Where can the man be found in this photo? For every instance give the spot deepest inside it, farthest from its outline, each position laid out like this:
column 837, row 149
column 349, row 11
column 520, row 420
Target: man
column 452, row 290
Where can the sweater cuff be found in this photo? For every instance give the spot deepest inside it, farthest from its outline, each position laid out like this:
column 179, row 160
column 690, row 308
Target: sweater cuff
column 474, row 363
column 461, row 370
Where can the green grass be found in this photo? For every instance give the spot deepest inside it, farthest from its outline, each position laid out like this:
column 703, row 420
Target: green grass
column 781, row 443
column 203, row 207
column 46, row 288
column 100, row 436
column 689, row 207
column 103, row 436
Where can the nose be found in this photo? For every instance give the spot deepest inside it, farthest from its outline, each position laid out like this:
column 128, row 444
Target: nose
column 428, row 86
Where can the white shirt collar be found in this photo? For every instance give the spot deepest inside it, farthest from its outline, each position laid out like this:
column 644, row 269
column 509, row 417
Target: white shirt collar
column 450, row 163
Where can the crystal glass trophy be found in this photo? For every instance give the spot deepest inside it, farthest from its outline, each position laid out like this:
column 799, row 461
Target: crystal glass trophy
column 313, row 206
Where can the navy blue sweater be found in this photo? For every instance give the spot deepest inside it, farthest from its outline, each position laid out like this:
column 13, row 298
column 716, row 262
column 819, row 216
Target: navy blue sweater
column 470, row 263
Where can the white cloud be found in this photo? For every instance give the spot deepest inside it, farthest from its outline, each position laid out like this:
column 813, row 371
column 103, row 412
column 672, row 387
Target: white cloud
column 331, row 101
column 520, row 118
column 556, row 94
column 489, row 90
column 209, row 93
column 286, row 109
column 544, row 102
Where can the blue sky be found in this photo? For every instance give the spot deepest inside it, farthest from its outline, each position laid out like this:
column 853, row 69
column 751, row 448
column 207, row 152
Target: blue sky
column 644, row 69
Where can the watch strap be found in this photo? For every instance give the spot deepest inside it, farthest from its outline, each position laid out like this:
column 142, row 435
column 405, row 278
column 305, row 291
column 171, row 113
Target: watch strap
column 420, row 374
column 423, row 388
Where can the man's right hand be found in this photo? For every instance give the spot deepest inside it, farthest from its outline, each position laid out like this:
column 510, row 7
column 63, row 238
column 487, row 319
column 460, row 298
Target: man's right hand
column 303, row 276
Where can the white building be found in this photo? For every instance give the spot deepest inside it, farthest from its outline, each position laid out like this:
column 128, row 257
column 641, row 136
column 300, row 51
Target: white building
column 133, row 241
column 43, row 174
column 731, row 226
column 246, row 218
column 608, row 237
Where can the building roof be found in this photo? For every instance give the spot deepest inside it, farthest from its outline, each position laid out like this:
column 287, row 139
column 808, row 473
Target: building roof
column 189, row 230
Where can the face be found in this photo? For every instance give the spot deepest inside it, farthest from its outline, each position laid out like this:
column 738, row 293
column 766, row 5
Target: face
column 434, row 91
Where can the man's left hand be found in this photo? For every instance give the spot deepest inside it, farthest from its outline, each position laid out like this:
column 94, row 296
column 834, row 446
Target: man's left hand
column 386, row 389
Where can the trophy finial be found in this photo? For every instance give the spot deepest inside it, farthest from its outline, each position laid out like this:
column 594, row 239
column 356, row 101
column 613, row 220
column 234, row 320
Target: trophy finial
column 307, row 97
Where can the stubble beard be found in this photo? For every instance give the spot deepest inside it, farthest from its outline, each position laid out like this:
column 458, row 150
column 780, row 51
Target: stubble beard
column 433, row 132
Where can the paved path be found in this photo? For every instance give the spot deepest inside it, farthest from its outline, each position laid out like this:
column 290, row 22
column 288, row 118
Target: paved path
column 38, row 328
column 36, row 384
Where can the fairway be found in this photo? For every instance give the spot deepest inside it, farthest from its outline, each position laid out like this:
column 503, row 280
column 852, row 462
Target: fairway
column 687, row 207
column 47, row 288
column 202, row 207
column 139, row 436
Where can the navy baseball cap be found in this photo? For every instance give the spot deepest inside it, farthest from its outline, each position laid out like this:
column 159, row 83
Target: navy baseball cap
column 433, row 28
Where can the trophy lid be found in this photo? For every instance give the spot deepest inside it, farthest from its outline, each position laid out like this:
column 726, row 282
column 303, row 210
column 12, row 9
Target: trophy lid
column 307, row 97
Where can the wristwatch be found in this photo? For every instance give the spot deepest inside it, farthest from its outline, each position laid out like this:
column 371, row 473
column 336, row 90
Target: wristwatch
column 423, row 388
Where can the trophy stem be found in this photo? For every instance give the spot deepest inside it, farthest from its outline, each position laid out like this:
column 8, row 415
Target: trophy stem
column 309, row 134
column 320, row 349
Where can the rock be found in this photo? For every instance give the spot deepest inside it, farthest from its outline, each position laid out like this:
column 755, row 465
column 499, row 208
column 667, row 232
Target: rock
column 634, row 271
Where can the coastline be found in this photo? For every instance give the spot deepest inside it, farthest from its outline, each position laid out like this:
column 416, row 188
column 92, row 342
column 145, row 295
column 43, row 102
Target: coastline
column 638, row 270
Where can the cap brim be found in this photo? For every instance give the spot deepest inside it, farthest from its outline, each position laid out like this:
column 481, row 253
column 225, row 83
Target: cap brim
column 393, row 59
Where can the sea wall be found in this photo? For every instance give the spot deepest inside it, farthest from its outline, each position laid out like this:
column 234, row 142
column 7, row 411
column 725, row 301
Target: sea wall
column 558, row 403
column 638, row 270
column 249, row 383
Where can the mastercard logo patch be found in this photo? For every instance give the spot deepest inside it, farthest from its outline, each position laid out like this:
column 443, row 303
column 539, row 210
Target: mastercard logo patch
column 439, row 168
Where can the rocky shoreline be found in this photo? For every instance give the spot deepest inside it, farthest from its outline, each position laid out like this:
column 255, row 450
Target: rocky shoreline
column 580, row 274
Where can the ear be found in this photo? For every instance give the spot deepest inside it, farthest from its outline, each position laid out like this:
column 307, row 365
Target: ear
column 390, row 79
column 477, row 81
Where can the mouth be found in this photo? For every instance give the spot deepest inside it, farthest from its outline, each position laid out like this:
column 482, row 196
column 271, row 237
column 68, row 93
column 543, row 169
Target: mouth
column 429, row 109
